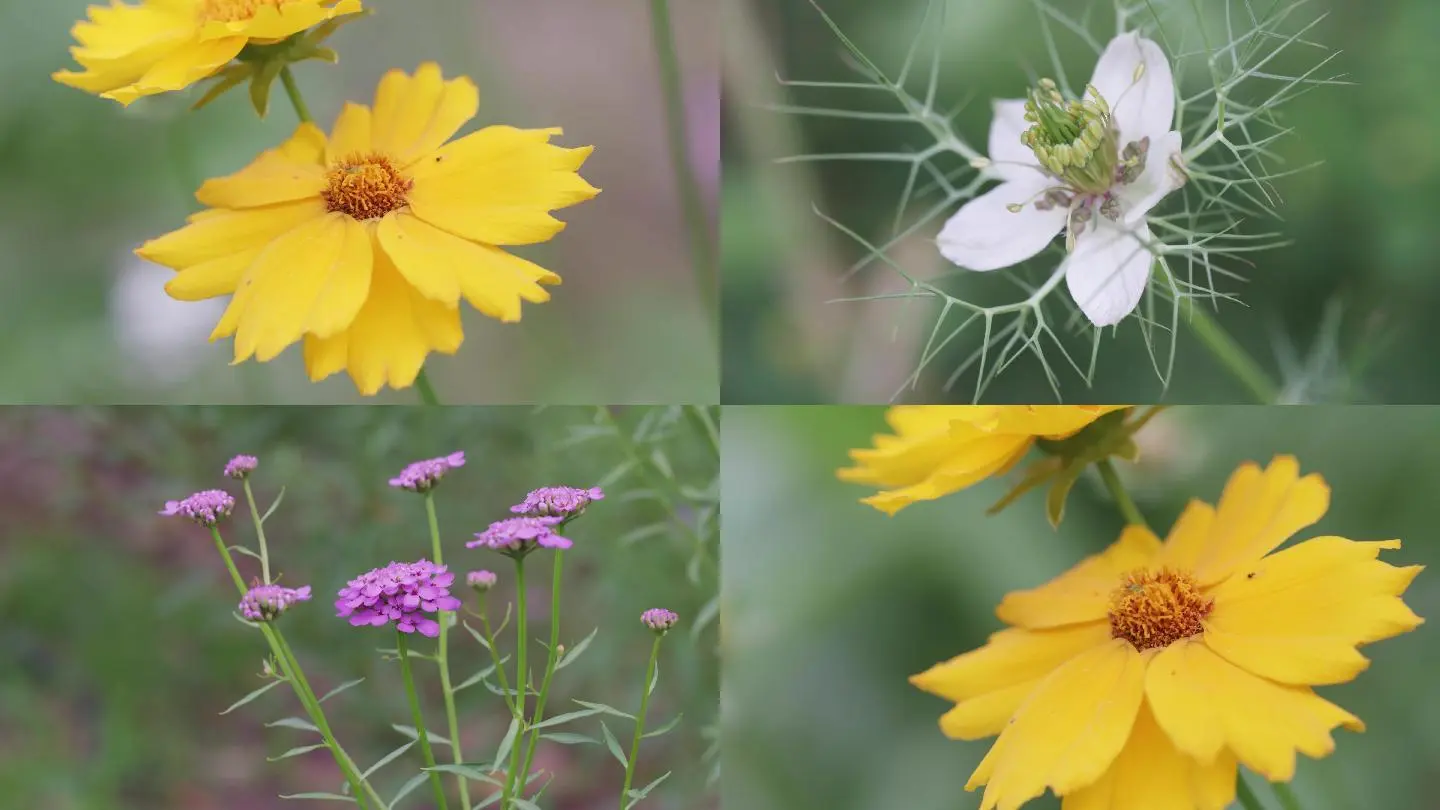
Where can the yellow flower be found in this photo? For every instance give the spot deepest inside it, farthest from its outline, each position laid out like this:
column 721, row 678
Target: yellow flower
column 1139, row 678
column 940, row 449
column 163, row 45
column 365, row 242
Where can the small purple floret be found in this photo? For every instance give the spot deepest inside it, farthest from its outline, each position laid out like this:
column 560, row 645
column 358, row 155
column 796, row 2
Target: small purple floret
column 422, row 476
column 399, row 593
column 241, row 466
column 518, row 536
column 263, row 603
column 205, row 508
column 659, row 619
column 481, row 581
column 565, row 502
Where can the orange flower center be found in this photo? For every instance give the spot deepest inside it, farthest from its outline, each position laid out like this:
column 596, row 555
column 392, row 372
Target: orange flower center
column 1157, row 608
column 232, row 10
column 365, row 187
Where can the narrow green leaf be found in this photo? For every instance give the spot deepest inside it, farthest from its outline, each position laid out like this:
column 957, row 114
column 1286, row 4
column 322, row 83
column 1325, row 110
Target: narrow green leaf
column 504, row 750
column 297, row 751
column 614, row 745
column 477, row 677
column 642, row 533
column 567, row 738
column 257, row 693
column 565, row 718
column 385, row 760
column 243, row 550
column 616, row 474
column 572, row 653
column 640, row 793
column 409, row 731
column 334, row 797
column 477, row 635
column 605, row 709
column 405, row 789
column 273, row 506
column 708, row 613
column 524, row 804
column 260, row 82
column 226, row 79
column 475, row 772
column 341, row 688
column 655, row 679
column 293, row 722
column 661, row 730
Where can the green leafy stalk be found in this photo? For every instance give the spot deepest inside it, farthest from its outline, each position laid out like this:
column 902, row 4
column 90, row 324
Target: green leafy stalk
column 499, row 666
column 697, row 228
column 1285, row 795
column 550, row 662
column 1246, row 796
column 521, row 684
column 229, row 560
column 1117, row 491
column 1230, row 354
column 419, row 717
column 425, row 390
column 259, row 530
column 443, row 658
column 640, row 722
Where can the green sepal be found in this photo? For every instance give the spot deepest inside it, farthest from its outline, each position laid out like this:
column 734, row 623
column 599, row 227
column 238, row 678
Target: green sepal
column 264, row 76
column 227, row 79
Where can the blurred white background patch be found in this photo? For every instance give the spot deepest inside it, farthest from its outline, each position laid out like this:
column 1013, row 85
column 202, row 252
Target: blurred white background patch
column 157, row 336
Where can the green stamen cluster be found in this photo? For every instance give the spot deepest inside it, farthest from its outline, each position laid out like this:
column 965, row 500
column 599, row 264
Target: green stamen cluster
column 1073, row 140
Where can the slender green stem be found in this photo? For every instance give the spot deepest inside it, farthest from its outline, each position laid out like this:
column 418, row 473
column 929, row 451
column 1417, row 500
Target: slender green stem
column 521, row 686
column 259, row 530
column 697, row 228
column 1230, row 354
column 1285, row 795
column 425, row 390
column 700, row 415
column 293, row 91
column 229, row 560
column 1117, row 491
column 640, row 723
column 443, row 658
column 1246, row 796
column 420, row 734
column 499, row 665
column 550, row 661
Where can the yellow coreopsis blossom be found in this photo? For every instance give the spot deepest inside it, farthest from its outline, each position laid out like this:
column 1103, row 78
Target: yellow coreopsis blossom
column 1141, row 677
column 162, row 45
column 364, row 243
column 940, row 449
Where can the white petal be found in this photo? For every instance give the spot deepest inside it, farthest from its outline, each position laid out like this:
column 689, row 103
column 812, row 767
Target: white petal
column 1158, row 179
column 1108, row 271
column 1009, row 158
column 986, row 235
column 1143, row 108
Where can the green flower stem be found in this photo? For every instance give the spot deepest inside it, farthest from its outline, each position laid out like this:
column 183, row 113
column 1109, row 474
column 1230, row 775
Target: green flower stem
column 259, row 530
column 420, row 734
column 702, row 248
column 1285, row 795
column 1117, row 491
column 495, row 657
column 425, row 390
column 290, row 668
column 551, row 660
column 521, row 685
column 1246, row 796
column 443, row 658
column 1230, row 354
column 640, row 722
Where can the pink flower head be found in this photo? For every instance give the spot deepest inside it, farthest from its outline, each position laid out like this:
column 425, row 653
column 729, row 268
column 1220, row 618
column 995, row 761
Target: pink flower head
column 422, row 476
column 241, row 466
column 205, row 508
column 481, row 581
column 519, row 536
column 565, row 502
column 263, row 603
column 399, row 593
column 659, row 620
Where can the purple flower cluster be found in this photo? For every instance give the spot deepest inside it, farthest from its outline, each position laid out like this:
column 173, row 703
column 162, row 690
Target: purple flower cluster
column 519, row 536
column 401, row 593
column 241, row 466
column 481, row 581
column 263, row 603
column 422, row 476
column 205, row 508
column 659, row 619
column 565, row 502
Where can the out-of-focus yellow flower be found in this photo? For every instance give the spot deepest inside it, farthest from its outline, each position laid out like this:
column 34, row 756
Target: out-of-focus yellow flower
column 940, row 449
column 162, row 45
column 364, row 243
column 1140, row 677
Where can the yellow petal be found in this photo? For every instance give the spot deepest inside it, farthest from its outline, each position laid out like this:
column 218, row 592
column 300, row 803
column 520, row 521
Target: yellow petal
column 219, row 233
column 498, row 185
column 1187, row 538
column 1297, row 616
column 283, row 174
column 1070, row 729
column 1258, row 511
column 120, row 43
column 415, row 116
column 275, row 22
column 212, row 278
column 351, row 135
column 1050, row 421
column 313, row 279
column 189, row 63
column 443, row 267
column 1206, row 704
column 1081, row 594
column 1152, row 774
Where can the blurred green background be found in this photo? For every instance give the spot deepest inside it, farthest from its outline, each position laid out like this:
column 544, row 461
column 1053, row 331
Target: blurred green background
column 830, row 607
column 85, row 181
column 121, row 650
column 1362, row 224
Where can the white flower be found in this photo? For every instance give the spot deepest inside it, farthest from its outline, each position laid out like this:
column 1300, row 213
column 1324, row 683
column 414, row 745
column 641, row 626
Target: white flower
column 1093, row 167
